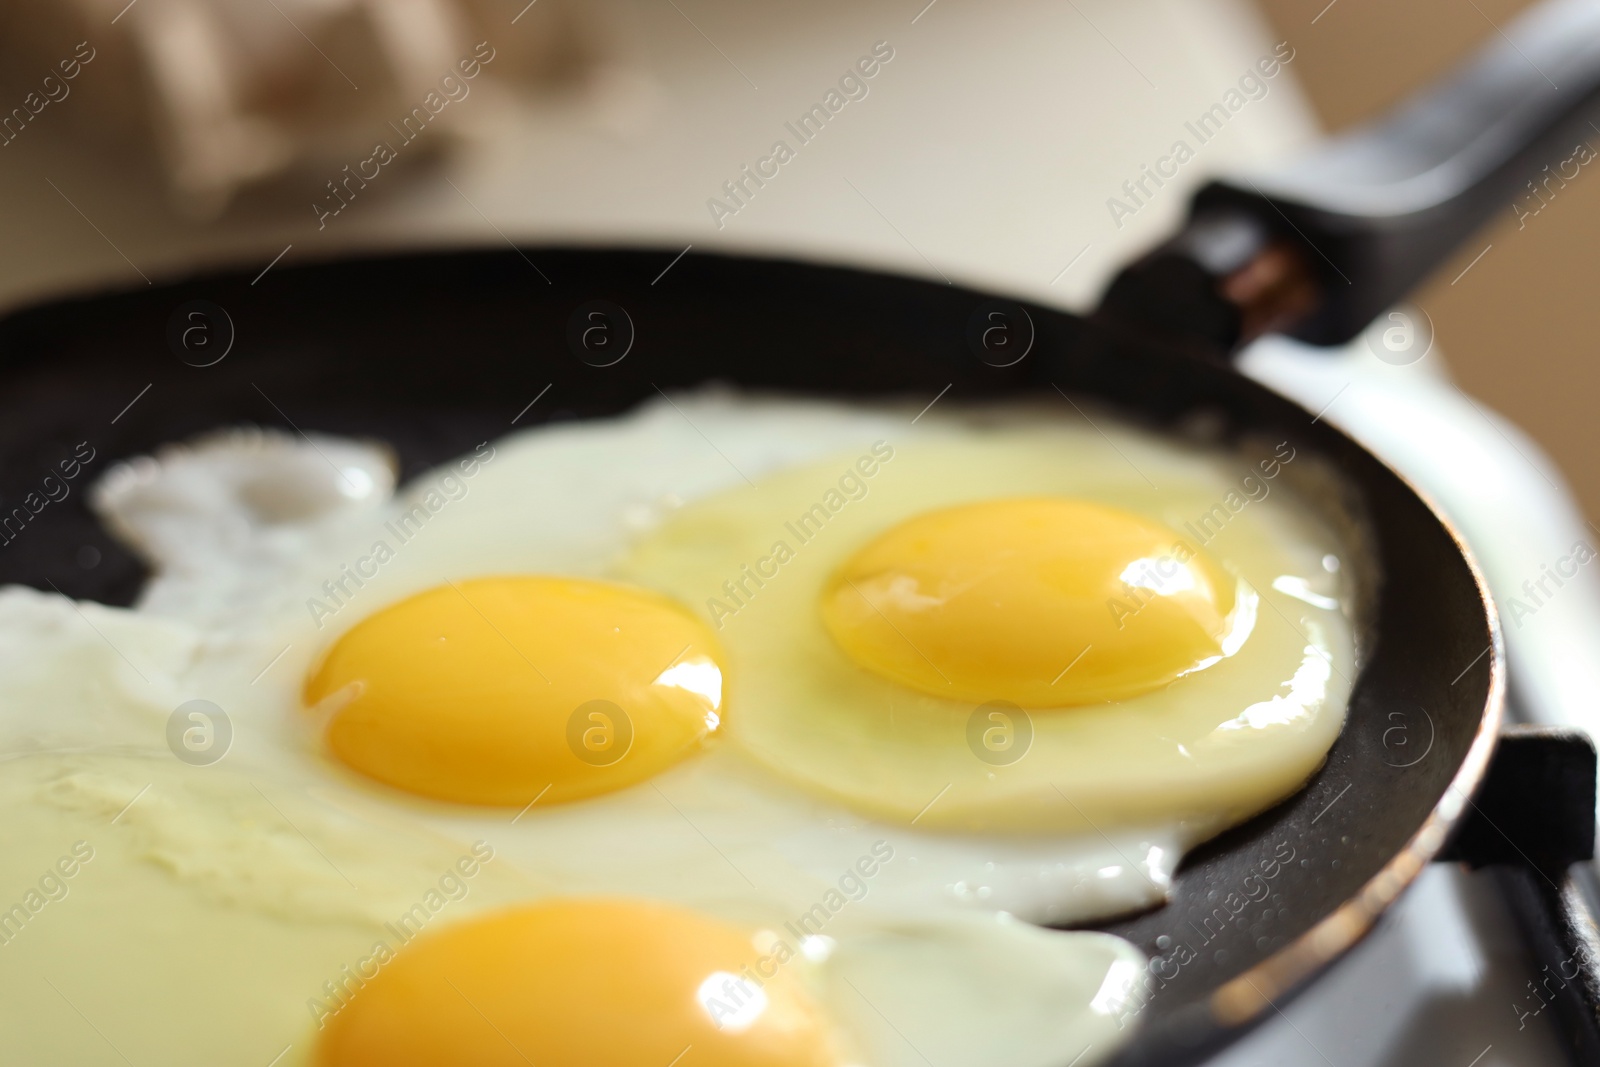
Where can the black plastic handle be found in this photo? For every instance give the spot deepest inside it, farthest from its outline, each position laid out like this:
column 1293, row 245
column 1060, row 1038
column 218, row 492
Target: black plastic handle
column 1534, row 820
column 1536, row 806
column 1321, row 247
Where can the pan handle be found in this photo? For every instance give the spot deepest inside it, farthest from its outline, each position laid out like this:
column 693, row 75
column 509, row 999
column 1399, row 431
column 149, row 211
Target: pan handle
column 1536, row 806
column 1319, row 248
column 1533, row 820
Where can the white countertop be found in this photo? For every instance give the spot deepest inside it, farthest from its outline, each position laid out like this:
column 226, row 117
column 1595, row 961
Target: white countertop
column 988, row 144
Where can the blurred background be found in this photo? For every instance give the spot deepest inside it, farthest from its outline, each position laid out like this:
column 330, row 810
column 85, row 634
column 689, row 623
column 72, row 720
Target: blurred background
column 199, row 133
column 1518, row 328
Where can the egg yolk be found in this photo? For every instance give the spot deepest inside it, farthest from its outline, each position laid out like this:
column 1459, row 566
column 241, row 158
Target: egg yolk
column 1040, row 601
column 514, row 689
column 581, row 983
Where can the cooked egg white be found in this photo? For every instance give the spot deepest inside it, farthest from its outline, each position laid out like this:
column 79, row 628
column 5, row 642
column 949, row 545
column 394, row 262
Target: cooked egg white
column 790, row 782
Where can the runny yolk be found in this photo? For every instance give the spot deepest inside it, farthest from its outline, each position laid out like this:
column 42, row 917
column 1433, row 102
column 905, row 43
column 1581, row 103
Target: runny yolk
column 580, row 983
column 511, row 689
column 1044, row 601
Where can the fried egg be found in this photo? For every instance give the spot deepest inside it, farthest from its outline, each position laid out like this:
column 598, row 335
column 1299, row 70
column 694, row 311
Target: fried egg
column 949, row 647
column 733, row 706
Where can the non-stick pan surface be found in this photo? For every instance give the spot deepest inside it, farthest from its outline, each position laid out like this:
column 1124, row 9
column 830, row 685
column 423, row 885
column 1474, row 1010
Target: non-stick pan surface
column 434, row 353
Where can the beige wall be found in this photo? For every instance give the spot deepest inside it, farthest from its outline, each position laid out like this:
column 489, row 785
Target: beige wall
column 1522, row 328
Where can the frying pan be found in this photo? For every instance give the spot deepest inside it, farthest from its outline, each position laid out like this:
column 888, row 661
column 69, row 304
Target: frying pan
column 435, row 352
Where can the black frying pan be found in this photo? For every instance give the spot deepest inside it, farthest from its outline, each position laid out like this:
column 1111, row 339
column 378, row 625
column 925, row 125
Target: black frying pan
column 436, row 352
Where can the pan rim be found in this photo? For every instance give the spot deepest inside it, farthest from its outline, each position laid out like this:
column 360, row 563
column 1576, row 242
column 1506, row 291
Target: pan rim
column 1244, row 1000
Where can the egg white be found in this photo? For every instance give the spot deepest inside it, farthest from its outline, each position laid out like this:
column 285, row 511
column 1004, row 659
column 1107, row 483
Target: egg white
column 226, row 898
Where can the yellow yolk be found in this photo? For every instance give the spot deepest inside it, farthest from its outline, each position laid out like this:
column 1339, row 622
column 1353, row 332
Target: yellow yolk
column 506, row 690
column 580, row 983
column 1039, row 601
